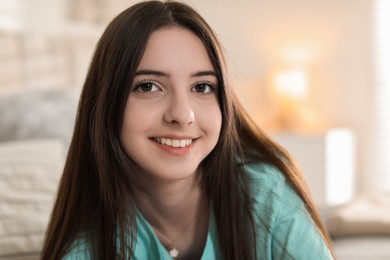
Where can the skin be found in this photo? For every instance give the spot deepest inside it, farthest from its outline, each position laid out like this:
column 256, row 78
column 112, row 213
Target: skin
column 173, row 96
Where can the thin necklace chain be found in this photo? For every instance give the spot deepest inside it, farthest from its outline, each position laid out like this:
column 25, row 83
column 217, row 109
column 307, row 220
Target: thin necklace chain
column 173, row 251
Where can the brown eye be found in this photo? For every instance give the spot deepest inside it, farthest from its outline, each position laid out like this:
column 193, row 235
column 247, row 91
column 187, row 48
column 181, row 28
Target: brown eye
column 203, row 88
column 146, row 87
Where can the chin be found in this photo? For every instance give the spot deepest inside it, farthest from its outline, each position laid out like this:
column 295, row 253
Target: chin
column 174, row 174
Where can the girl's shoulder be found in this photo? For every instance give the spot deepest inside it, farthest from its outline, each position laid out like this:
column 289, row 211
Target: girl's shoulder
column 284, row 226
column 265, row 178
column 271, row 191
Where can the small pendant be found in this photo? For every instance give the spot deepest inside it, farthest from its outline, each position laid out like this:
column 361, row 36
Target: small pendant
column 173, row 252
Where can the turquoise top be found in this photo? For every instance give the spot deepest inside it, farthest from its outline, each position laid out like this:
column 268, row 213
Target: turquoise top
column 285, row 229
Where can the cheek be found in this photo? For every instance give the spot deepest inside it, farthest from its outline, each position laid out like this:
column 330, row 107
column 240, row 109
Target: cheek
column 218, row 122
column 129, row 119
column 134, row 121
column 211, row 118
column 138, row 117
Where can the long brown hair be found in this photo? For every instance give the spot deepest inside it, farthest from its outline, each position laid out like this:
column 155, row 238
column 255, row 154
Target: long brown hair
column 95, row 197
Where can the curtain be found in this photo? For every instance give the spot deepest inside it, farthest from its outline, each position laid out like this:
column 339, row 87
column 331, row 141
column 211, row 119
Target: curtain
column 381, row 154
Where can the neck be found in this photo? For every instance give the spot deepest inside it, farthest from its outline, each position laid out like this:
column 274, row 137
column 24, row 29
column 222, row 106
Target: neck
column 171, row 203
column 178, row 212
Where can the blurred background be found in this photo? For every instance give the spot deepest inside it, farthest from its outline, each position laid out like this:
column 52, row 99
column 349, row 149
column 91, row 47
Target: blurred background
column 314, row 75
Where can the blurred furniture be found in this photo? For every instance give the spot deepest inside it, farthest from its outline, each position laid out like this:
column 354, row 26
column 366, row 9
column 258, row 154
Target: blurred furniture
column 33, row 58
column 327, row 161
column 361, row 229
column 362, row 247
column 359, row 224
column 35, row 131
column 41, row 73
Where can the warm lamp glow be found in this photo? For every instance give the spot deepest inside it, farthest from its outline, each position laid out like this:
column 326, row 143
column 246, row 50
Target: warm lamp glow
column 290, row 90
column 291, row 84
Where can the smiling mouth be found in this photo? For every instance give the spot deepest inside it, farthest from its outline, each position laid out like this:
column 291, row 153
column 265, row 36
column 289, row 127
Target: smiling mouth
column 173, row 142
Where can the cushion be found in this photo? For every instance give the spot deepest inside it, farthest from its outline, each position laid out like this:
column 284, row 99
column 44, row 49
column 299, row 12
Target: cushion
column 362, row 247
column 39, row 113
column 29, row 174
column 369, row 214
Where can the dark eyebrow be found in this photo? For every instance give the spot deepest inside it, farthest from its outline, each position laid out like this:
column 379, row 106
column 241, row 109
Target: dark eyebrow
column 163, row 74
column 205, row 73
column 151, row 72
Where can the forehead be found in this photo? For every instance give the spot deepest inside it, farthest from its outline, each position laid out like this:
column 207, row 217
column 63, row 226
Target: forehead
column 175, row 48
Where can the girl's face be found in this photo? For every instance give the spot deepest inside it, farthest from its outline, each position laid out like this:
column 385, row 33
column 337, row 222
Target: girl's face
column 172, row 118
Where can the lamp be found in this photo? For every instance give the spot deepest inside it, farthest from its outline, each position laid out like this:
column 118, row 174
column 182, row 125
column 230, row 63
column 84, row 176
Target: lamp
column 289, row 91
column 291, row 85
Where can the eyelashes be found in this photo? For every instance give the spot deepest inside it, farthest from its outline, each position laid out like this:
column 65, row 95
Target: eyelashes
column 204, row 87
column 146, row 86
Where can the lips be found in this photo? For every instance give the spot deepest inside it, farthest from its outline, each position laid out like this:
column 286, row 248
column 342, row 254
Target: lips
column 176, row 143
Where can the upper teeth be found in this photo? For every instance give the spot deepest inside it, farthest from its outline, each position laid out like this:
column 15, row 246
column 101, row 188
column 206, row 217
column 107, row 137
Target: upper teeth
column 173, row 142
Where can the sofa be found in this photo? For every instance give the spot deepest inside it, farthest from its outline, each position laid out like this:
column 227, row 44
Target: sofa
column 35, row 131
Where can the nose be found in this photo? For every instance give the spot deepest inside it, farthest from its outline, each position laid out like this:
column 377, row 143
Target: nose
column 179, row 110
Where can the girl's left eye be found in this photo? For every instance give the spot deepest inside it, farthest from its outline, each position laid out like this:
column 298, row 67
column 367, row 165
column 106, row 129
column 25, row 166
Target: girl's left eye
column 203, row 88
column 146, row 87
